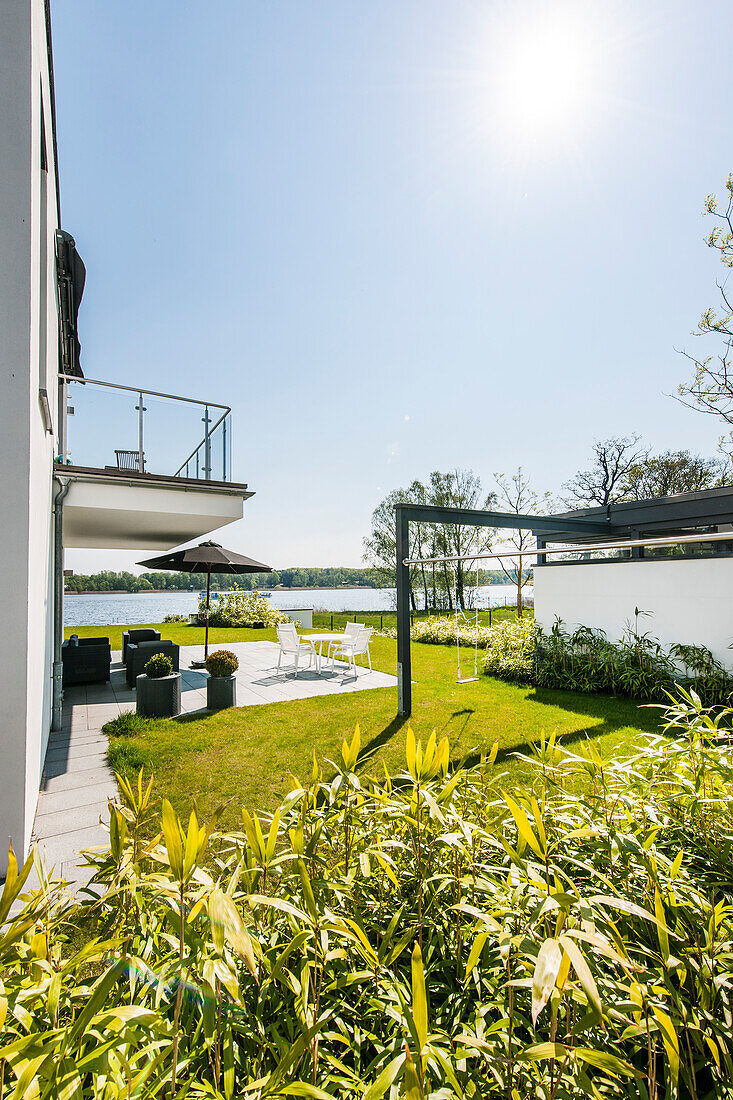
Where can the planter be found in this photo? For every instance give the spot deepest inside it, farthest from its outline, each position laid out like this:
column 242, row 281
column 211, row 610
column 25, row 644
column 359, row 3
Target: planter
column 159, row 698
column 221, row 692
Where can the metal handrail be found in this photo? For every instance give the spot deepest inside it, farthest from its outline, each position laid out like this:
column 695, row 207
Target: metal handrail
column 139, row 389
column 141, row 394
column 207, row 438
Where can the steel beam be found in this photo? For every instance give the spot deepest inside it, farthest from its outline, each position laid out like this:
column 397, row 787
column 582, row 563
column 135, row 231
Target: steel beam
column 404, row 662
column 472, row 517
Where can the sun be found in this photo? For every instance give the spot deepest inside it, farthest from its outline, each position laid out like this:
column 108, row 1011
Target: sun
column 544, row 78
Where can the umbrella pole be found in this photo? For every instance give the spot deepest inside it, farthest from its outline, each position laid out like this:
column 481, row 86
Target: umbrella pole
column 208, row 598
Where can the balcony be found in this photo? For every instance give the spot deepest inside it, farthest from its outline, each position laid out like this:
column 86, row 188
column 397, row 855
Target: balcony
column 146, row 470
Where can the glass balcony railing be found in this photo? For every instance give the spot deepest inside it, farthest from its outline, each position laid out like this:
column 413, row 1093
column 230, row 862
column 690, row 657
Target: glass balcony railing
column 114, row 427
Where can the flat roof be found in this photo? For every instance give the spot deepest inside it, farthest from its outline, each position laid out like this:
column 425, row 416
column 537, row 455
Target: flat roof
column 658, row 515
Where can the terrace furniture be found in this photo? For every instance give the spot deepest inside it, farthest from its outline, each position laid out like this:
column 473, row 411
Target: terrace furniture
column 139, row 653
column 292, row 646
column 144, row 634
column 351, row 630
column 130, row 460
column 320, row 640
column 85, row 660
column 354, row 647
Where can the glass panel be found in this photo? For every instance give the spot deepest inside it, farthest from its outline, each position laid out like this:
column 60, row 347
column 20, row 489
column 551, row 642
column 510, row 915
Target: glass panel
column 108, row 429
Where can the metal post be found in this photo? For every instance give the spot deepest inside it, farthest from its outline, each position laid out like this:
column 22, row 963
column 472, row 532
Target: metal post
column 207, row 446
column 404, row 664
column 140, row 418
column 58, row 603
column 224, row 449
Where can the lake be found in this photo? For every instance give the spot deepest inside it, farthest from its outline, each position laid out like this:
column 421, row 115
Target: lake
column 100, row 608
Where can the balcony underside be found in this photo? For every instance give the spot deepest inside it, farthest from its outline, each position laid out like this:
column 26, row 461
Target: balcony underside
column 113, row 510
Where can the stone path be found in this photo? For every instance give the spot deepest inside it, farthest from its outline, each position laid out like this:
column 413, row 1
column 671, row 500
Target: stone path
column 77, row 782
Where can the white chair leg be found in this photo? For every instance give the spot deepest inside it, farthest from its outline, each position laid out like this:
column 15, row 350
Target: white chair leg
column 296, row 664
column 369, row 657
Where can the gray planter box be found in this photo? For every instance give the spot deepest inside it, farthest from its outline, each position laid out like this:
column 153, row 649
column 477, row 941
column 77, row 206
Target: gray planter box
column 221, row 692
column 159, row 698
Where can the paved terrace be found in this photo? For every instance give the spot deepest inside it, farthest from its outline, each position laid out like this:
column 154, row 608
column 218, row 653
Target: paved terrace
column 76, row 780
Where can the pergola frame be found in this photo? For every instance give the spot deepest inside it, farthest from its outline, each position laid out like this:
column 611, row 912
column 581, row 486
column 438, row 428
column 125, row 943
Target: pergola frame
column 465, row 517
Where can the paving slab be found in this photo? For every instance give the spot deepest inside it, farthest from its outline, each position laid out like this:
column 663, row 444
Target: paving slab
column 54, row 801
column 88, row 779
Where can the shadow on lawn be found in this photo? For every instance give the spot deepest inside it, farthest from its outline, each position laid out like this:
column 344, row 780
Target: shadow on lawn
column 611, row 709
column 382, row 738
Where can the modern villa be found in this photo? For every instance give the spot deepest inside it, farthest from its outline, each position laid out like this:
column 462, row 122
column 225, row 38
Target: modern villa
column 88, row 462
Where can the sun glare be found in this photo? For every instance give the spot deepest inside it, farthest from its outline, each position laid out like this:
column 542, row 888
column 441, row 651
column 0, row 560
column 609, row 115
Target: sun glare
column 543, row 80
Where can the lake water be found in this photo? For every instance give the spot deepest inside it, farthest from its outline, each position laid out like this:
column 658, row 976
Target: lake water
column 100, row 608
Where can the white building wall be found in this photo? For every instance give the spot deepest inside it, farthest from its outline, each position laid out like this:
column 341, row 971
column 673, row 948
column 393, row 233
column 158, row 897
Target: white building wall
column 28, row 362
column 691, row 600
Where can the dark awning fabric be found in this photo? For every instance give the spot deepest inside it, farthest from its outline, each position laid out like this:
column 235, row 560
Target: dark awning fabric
column 71, row 276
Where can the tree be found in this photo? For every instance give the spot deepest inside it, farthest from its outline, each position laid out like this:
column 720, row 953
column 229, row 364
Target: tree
column 517, row 495
column 672, row 472
column 605, row 481
column 710, row 390
column 459, row 489
column 455, row 489
column 380, row 546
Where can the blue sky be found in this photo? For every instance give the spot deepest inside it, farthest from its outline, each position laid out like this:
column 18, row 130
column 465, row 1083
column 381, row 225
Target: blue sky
column 394, row 235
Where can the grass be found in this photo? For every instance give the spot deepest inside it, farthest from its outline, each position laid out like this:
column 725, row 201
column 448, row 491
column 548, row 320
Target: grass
column 248, row 754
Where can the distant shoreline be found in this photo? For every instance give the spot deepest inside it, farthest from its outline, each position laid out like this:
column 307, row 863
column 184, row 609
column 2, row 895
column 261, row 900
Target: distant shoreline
column 195, row 591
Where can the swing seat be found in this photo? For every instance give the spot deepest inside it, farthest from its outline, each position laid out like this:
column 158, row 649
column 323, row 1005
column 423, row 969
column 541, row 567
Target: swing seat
column 468, row 680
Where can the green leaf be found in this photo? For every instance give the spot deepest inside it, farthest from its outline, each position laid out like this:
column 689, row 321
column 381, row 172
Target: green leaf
column 523, row 826
column 608, row 1062
column 411, row 1081
column 68, row 1081
column 669, row 1038
column 545, row 974
column 475, row 953
column 172, row 836
column 662, row 933
column 419, row 998
column 540, row 1051
column 378, row 1087
column 581, row 968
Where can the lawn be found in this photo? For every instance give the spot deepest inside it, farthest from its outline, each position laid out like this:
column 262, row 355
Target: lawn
column 248, row 754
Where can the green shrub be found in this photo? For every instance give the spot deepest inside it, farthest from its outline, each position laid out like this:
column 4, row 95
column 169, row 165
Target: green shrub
column 431, row 936
column 636, row 666
column 158, row 666
column 175, row 619
column 510, row 650
column 222, row 663
column 240, row 608
column 127, row 724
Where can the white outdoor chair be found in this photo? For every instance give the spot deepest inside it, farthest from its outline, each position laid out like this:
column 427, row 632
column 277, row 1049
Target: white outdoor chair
column 352, row 648
column 351, row 631
column 293, row 646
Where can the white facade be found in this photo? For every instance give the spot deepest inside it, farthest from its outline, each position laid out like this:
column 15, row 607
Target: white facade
column 28, row 365
column 101, row 510
column 691, row 600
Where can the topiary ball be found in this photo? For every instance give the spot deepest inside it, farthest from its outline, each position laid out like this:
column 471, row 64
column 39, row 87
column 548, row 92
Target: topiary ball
column 158, row 666
column 222, row 663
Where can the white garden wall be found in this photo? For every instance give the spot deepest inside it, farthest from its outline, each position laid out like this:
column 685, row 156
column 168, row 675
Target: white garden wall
column 691, row 600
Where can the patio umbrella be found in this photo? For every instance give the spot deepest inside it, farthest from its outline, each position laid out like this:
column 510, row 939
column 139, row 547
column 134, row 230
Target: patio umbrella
column 207, row 557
